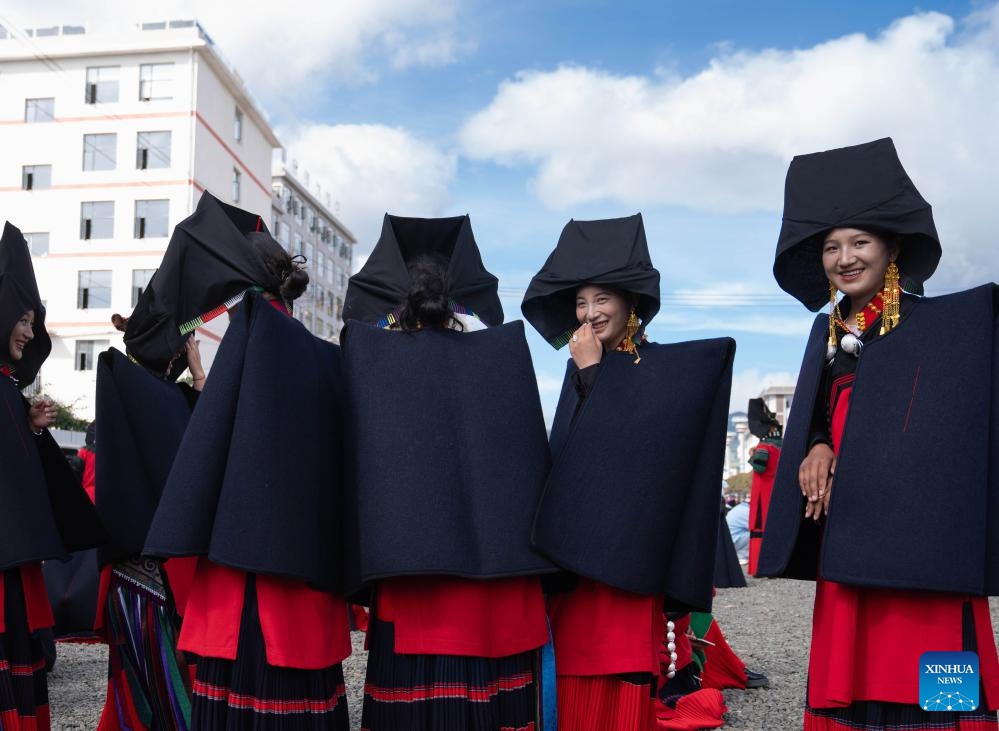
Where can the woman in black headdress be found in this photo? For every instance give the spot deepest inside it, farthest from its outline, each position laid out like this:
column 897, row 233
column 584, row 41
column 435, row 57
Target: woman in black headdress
column 893, row 512
column 209, row 264
column 45, row 513
column 255, row 495
column 631, row 507
column 448, row 460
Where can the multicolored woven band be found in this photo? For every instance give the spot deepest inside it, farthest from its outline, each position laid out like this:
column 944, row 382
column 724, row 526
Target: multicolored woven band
column 191, row 325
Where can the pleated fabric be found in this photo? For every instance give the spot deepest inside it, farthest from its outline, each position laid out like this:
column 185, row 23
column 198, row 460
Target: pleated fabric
column 149, row 685
column 606, row 702
column 447, row 692
column 24, row 699
column 249, row 693
column 880, row 716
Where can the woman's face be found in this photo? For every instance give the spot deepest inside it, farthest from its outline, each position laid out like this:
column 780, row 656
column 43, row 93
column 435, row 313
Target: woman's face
column 606, row 311
column 856, row 261
column 21, row 335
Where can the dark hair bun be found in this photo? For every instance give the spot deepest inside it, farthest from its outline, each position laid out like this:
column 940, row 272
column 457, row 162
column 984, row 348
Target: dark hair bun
column 428, row 303
column 294, row 284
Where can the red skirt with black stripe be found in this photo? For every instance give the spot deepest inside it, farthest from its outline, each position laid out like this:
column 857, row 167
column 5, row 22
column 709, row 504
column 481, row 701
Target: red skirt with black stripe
column 24, row 698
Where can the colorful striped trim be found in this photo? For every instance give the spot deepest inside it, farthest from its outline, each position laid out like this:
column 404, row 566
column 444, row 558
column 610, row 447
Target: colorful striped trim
column 244, row 702
column 473, row 694
column 191, row 325
column 20, row 669
column 562, row 340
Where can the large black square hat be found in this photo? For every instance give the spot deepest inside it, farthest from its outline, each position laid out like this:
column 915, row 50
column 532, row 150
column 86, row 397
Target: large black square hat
column 214, row 257
column 611, row 251
column 18, row 294
column 377, row 293
column 864, row 187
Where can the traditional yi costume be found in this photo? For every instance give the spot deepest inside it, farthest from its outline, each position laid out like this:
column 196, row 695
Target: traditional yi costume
column 45, row 515
column 900, row 569
column 259, row 506
column 447, row 459
column 636, row 523
column 764, row 426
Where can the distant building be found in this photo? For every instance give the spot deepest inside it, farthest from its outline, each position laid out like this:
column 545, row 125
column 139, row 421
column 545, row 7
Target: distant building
column 109, row 141
column 739, row 442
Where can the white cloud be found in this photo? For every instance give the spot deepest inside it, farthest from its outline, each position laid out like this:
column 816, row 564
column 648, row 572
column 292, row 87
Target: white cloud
column 284, row 48
column 751, row 383
column 374, row 169
column 720, row 140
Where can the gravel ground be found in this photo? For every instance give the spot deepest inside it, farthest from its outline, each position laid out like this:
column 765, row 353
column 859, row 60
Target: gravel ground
column 767, row 624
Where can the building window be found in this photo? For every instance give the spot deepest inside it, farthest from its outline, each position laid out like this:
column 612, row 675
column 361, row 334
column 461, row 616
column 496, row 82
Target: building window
column 38, row 243
column 283, row 232
column 97, row 220
column 36, row 177
column 87, row 352
column 152, row 150
column 93, row 289
column 39, row 110
column 102, row 84
column 297, row 248
column 155, row 82
column 152, row 219
column 100, row 152
column 236, row 184
column 309, row 252
column 237, row 126
column 140, row 280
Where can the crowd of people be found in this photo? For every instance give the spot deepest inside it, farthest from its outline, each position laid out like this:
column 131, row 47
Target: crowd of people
column 515, row 579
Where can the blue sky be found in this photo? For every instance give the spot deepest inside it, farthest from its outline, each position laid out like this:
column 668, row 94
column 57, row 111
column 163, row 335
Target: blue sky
column 525, row 114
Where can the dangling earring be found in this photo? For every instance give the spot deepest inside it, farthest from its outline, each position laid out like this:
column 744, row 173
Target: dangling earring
column 630, row 330
column 890, row 294
column 832, row 343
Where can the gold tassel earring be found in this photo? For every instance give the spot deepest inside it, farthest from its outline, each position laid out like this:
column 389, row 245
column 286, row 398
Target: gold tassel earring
column 631, row 329
column 890, row 294
column 832, row 343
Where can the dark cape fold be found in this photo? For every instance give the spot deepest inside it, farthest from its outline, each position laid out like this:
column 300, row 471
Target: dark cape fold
column 447, row 453
column 142, row 420
column 45, row 512
column 18, row 294
column 632, row 499
column 380, row 288
column 915, row 500
column 256, row 484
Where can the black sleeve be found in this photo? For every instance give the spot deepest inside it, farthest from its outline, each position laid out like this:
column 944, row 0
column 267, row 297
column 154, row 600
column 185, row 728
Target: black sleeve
column 583, row 380
column 818, row 431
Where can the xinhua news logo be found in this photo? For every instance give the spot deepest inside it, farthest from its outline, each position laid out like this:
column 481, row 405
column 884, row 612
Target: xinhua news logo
column 948, row 681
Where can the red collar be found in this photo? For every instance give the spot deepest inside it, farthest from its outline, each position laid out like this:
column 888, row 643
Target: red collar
column 867, row 316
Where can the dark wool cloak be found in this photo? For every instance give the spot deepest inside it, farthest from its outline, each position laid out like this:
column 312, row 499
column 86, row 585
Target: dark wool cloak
column 142, row 420
column 728, row 572
column 447, row 451
column 381, row 287
column 915, row 500
column 210, row 259
column 18, row 294
column 45, row 512
column 256, row 484
column 632, row 500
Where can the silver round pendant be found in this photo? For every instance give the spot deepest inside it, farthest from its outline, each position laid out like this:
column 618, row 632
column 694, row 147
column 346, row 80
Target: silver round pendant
column 851, row 344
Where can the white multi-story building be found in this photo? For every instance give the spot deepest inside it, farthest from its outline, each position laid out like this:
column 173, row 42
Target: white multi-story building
column 106, row 142
column 302, row 221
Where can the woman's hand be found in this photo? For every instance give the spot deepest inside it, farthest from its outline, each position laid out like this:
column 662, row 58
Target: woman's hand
column 816, row 477
column 41, row 415
column 584, row 347
column 194, row 362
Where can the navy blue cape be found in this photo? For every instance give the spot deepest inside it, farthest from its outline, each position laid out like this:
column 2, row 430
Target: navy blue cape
column 447, row 450
column 44, row 512
column 915, row 499
column 142, row 420
column 632, row 500
column 256, row 484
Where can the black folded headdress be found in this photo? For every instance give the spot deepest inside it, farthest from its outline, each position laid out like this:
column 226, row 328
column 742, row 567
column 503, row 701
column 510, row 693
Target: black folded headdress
column 377, row 293
column 864, row 187
column 214, row 257
column 612, row 251
column 18, row 294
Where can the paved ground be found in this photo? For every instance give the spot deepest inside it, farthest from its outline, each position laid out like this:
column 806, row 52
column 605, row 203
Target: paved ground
column 767, row 625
